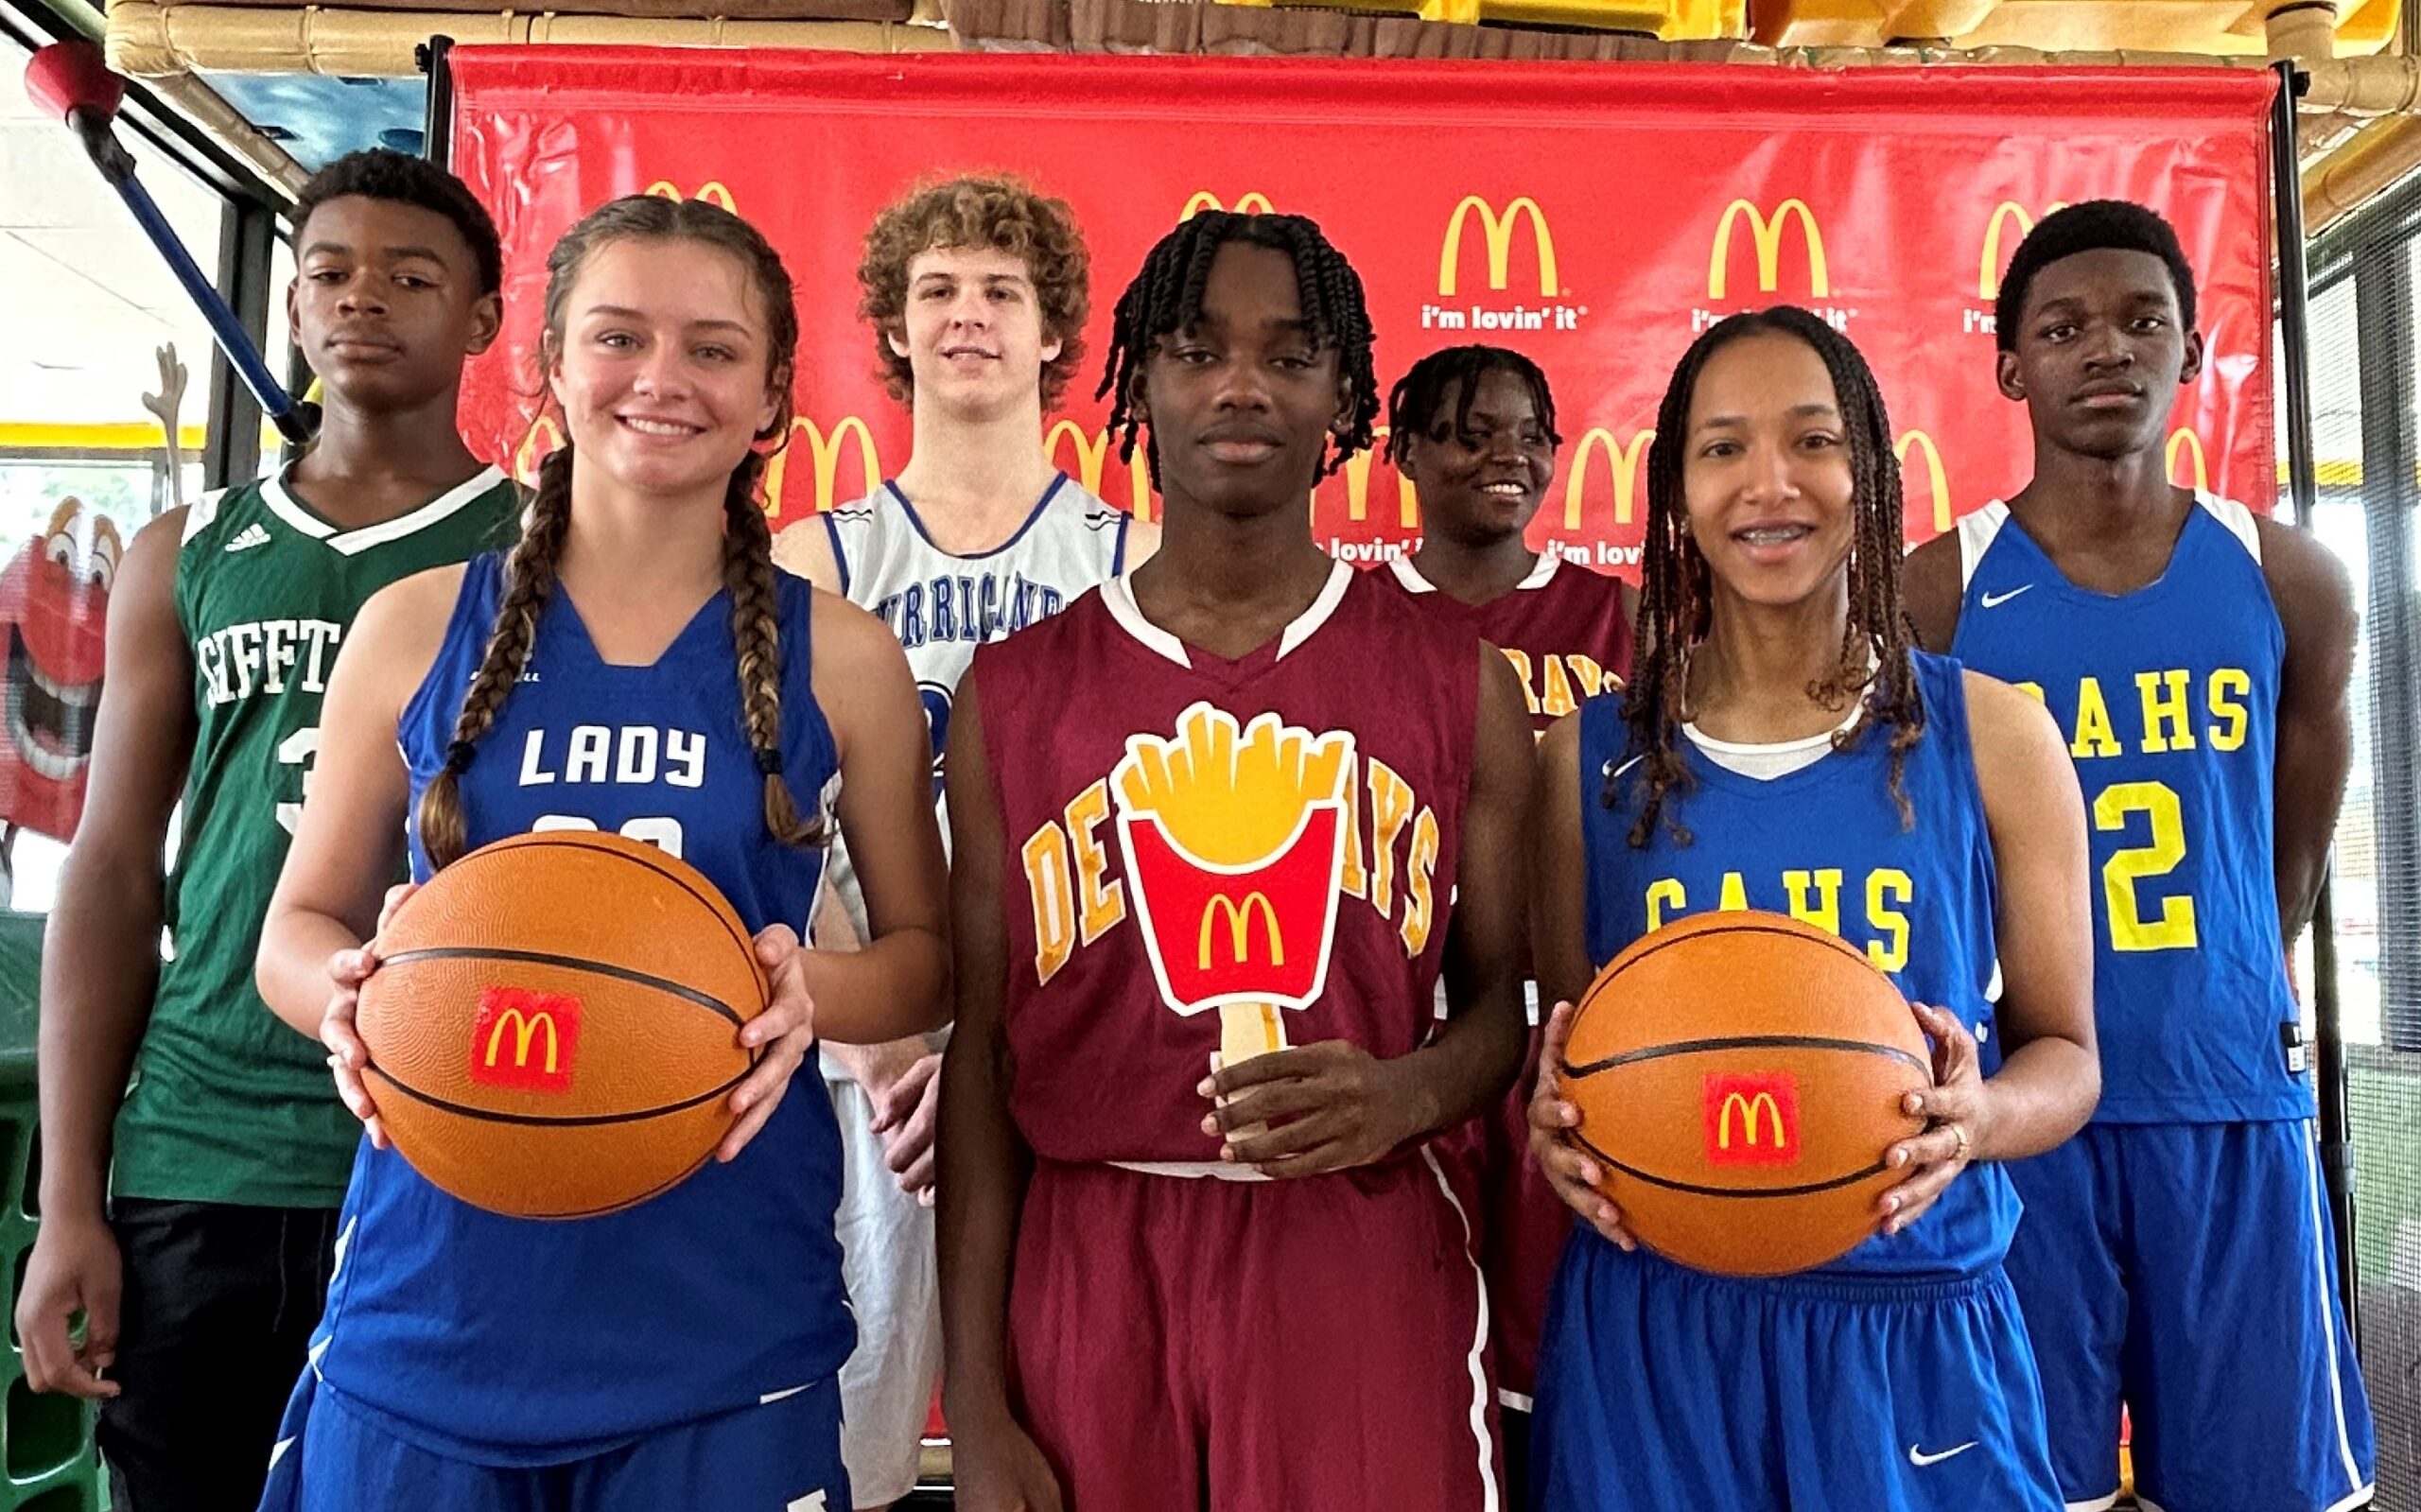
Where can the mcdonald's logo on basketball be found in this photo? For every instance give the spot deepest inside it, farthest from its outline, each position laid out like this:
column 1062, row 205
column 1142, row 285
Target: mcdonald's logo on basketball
column 1767, row 233
column 1752, row 1119
column 1239, row 916
column 713, row 192
column 2185, row 440
column 1622, row 461
column 525, row 1040
column 1497, row 231
column 1250, row 202
column 1988, row 273
column 1937, row 477
column 823, row 452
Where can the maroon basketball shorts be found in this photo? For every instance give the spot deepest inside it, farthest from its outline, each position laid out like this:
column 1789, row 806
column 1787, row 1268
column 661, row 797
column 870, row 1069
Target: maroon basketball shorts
column 1188, row 1341
column 1522, row 1227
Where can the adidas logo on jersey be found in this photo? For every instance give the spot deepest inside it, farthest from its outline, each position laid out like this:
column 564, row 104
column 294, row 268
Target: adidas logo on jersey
column 250, row 536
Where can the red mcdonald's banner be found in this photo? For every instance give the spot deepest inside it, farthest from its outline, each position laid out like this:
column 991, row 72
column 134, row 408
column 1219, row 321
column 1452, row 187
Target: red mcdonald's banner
column 1594, row 215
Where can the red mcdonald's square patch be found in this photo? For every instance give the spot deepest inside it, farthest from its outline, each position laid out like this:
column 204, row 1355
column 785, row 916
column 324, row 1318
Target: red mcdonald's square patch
column 525, row 1040
column 1752, row 1119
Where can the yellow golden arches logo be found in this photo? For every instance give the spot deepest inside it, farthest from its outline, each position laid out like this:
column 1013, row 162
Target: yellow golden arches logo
column 1356, row 473
column 1623, row 461
column 1239, row 915
column 1987, row 274
column 1497, row 231
column 825, row 452
column 713, row 192
column 1767, row 232
column 525, row 1032
column 1753, row 1111
column 1092, row 460
column 2183, row 440
column 1250, row 202
column 545, row 437
column 1936, row 478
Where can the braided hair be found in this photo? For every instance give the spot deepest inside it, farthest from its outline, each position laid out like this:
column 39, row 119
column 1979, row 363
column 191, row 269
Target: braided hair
column 1166, row 297
column 1677, row 589
column 1417, row 406
column 529, row 578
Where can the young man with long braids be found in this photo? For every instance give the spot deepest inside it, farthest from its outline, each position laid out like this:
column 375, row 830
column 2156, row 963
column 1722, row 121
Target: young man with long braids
column 1472, row 428
column 681, row 1352
column 1782, row 747
column 2176, row 1257
column 1199, row 912
column 977, row 290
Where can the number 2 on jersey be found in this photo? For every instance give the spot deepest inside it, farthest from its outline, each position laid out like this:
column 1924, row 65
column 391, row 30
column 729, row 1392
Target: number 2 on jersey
column 662, row 832
column 2128, row 930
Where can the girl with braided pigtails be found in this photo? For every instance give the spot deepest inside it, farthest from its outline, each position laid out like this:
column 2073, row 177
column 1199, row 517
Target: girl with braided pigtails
column 681, row 1352
column 1782, row 747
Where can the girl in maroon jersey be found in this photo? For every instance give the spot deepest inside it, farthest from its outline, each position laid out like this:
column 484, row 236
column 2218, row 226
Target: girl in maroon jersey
column 1472, row 428
column 1256, row 807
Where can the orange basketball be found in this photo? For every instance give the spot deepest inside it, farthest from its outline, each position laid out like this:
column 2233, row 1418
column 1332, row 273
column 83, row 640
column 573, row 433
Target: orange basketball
column 553, row 1026
column 1739, row 1078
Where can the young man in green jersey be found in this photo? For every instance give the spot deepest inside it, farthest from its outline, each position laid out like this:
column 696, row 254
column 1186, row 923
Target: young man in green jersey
column 193, row 1149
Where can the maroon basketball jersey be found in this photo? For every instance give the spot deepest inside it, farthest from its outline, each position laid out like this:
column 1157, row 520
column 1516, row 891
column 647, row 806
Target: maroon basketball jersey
column 1562, row 627
column 1203, row 853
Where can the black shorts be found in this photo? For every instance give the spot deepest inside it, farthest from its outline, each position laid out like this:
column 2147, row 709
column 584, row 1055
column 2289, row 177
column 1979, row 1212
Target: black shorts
column 218, row 1312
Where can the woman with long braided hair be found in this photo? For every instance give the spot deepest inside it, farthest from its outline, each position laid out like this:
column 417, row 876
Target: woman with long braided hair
column 1197, row 1253
column 634, row 663
column 1783, row 747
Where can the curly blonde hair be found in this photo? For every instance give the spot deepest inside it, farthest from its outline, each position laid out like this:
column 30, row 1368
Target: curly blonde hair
column 978, row 210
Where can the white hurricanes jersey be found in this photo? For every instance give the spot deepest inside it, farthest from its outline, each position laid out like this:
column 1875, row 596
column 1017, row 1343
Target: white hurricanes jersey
column 942, row 605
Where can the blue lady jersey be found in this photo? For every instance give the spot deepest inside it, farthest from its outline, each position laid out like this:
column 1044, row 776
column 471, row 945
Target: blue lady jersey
column 2168, row 697
column 513, row 1341
column 1827, row 845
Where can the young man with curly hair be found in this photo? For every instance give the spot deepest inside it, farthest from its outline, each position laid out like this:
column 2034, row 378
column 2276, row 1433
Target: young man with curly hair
column 976, row 293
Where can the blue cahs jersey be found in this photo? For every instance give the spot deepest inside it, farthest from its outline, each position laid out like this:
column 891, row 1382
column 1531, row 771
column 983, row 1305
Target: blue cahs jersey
column 2168, row 698
column 1826, row 844
column 513, row 1340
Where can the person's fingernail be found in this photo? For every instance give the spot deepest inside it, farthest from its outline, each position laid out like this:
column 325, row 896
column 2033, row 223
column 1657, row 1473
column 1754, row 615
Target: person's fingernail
column 1914, row 1102
column 1210, row 1125
column 1899, row 1157
column 1206, row 1088
column 1891, row 1204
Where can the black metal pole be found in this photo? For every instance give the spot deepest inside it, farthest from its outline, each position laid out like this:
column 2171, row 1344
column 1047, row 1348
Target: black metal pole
column 2303, row 483
column 437, row 127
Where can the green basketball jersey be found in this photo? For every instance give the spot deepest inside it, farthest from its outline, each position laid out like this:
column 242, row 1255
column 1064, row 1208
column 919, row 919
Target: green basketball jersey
column 228, row 1103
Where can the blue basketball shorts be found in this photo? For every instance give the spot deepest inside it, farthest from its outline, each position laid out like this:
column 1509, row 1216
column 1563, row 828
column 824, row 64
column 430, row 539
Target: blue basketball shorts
column 783, row 1455
column 1663, row 1387
column 2188, row 1271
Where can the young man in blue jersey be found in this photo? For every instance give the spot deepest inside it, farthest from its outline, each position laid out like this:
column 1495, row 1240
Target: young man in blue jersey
column 2175, row 1257
column 193, row 1153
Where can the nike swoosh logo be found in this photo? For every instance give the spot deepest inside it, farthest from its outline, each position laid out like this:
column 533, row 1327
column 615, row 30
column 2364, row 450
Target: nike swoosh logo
column 1921, row 1459
column 1993, row 600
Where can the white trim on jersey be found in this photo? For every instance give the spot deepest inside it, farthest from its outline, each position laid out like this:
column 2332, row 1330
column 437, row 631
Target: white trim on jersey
column 199, row 516
column 1307, row 624
column 2328, row 1314
column 291, row 510
column 1540, row 571
column 1476, row 1359
column 2099, row 1504
column 2237, row 518
column 1118, row 596
column 1976, row 533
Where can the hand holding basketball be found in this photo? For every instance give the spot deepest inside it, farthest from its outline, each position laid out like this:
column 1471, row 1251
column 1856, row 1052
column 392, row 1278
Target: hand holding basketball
column 347, row 1054
column 1957, row 1112
column 1570, row 1172
column 1328, row 1107
column 786, row 1031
